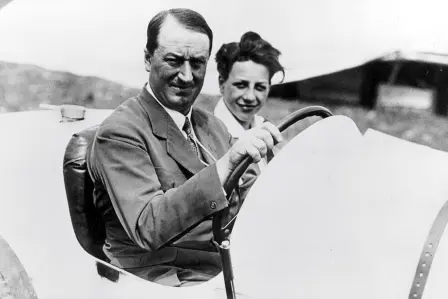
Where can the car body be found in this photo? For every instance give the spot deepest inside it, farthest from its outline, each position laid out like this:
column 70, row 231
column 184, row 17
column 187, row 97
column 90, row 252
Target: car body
column 328, row 234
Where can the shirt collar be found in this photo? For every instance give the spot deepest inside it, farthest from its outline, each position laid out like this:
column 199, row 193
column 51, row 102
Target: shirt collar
column 178, row 118
column 233, row 126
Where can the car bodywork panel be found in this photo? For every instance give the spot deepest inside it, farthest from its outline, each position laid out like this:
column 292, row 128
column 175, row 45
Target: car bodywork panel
column 334, row 215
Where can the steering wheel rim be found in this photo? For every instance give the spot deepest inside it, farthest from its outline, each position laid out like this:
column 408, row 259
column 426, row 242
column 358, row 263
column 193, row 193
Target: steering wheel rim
column 221, row 232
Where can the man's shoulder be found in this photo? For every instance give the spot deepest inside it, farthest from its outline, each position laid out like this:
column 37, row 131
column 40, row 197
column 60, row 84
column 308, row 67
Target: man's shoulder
column 127, row 116
column 130, row 106
column 207, row 102
column 209, row 119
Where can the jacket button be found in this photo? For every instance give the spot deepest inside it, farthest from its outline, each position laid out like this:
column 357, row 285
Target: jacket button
column 213, row 205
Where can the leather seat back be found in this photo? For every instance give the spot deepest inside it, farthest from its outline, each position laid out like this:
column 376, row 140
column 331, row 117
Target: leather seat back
column 87, row 223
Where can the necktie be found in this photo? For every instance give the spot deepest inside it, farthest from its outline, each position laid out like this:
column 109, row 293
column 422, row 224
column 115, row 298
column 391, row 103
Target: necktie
column 189, row 130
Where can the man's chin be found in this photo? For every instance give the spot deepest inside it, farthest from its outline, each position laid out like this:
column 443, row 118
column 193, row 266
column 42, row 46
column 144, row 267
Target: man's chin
column 183, row 100
column 181, row 103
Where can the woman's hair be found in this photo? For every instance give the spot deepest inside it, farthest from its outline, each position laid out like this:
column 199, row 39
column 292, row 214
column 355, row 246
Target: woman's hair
column 251, row 47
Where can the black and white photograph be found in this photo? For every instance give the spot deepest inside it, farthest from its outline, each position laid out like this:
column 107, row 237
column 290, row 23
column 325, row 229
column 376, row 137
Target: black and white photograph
column 223, row 149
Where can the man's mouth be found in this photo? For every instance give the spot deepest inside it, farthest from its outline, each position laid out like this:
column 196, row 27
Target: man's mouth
column 181, row 87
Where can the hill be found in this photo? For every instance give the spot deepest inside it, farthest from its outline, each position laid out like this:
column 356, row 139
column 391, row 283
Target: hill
column 24, row 87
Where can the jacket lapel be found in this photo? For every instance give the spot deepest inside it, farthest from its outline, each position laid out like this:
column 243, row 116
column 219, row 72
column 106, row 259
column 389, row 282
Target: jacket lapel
column 180, row 150
column 163, row 126
column 206, row 137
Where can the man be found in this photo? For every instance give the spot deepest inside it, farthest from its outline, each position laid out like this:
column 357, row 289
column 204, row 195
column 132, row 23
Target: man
column 158, row 165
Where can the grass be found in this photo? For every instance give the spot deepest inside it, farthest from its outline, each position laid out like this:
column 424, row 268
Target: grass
column 421, row 127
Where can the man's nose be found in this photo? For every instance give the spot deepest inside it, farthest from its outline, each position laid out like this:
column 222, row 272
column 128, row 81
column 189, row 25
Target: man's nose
column 185, row 73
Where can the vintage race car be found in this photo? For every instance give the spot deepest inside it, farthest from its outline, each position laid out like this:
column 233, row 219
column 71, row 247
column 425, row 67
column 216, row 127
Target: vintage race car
column 337, row 214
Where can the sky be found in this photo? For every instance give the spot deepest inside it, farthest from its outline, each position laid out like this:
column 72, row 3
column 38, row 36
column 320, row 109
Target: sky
column 106, row 38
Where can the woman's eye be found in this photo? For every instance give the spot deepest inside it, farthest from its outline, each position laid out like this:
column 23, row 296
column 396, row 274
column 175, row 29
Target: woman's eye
column 260, row 88
column 239, row 85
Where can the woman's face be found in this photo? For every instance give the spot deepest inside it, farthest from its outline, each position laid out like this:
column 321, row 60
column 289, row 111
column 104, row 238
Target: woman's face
column 246, row 90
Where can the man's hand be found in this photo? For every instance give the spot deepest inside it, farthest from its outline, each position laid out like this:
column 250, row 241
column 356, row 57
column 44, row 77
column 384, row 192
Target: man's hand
column 255, row 143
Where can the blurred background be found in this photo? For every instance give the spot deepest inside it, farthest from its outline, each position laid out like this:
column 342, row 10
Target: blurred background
column 383, row 63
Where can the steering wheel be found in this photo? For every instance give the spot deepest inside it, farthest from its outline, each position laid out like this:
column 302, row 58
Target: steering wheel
column 221, row 232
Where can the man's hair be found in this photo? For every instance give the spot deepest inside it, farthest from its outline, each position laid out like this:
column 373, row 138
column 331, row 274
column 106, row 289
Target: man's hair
column 251, row 47
column 190, row 19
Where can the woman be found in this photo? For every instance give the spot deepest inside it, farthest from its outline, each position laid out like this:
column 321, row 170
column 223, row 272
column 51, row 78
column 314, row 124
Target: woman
column 245, row 72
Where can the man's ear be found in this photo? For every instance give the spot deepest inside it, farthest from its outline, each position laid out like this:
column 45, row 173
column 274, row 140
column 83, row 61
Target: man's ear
column 147, row 57
column 221, row 84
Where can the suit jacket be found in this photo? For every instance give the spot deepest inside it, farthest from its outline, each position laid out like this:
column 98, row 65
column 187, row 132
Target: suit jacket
column 156, row 197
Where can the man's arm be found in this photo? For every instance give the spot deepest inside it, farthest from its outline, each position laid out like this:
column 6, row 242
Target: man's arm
column 152, row 218
column 254, row 143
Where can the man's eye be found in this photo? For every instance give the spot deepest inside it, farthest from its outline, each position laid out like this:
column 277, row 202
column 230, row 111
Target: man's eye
column 173, row 61
column 197, row 64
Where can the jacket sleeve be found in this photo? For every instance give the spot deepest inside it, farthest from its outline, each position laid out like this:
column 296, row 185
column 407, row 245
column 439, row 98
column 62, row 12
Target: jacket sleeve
column 152, row 218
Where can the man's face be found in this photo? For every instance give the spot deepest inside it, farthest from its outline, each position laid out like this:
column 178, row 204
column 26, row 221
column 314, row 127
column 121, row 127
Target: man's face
column 177, row 67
